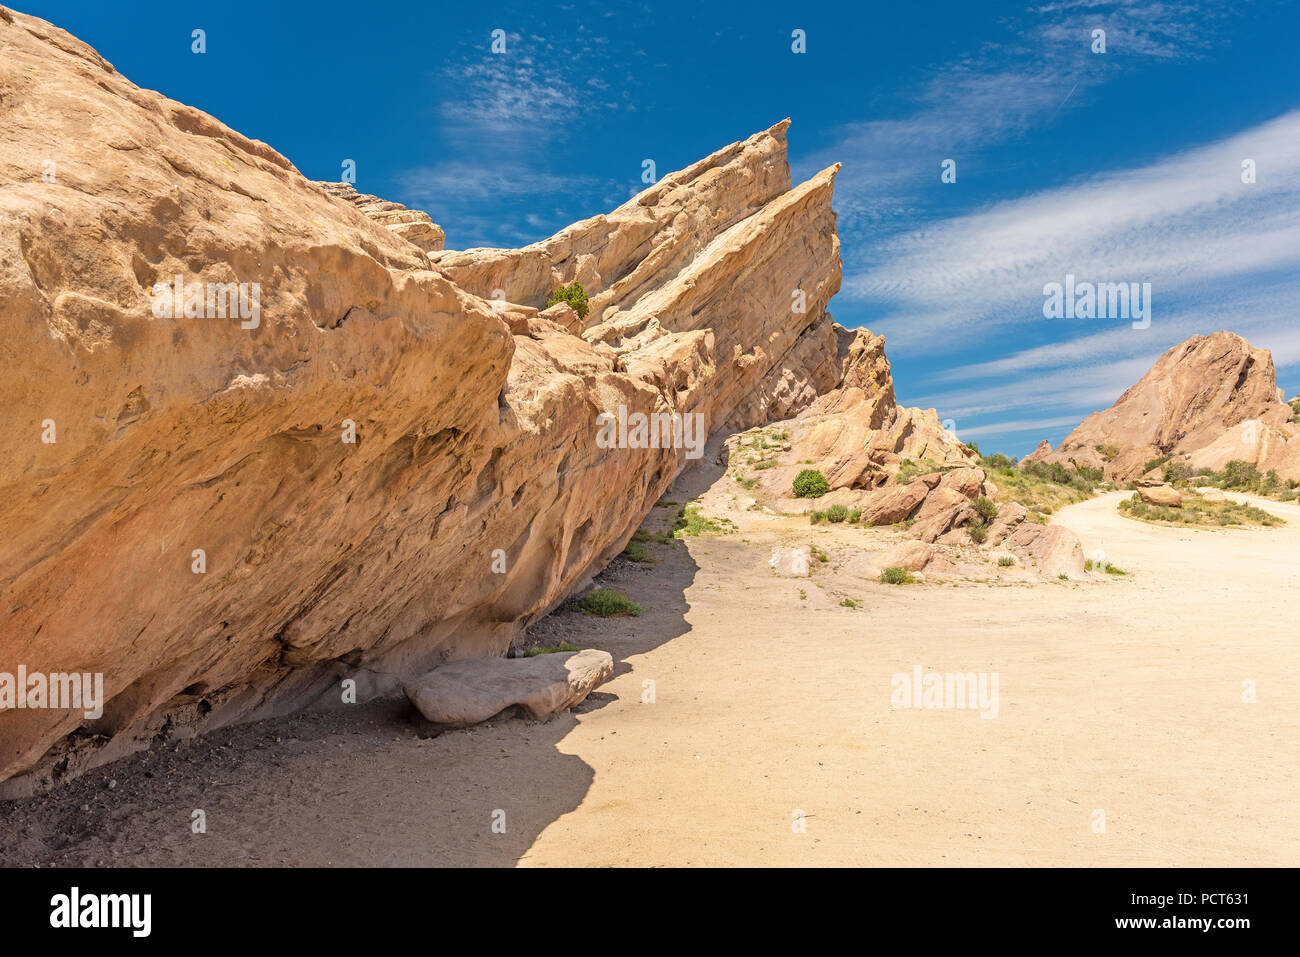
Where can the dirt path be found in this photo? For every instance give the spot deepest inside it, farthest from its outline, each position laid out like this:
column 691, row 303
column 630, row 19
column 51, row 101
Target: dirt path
column 1120, row 694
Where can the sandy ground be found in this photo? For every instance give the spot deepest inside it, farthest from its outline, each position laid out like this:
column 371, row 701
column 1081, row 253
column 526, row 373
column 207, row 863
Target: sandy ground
column 771, row 739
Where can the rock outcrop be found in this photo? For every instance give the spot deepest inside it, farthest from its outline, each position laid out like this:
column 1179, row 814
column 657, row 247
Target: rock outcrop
column 463, row 693
column 387, row 458
column 413, row 225
column 1205, row 402
column 1043, row 450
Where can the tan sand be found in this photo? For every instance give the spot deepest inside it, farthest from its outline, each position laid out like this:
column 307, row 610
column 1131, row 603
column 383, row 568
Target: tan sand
column 1118, row 694
column 1123, row 695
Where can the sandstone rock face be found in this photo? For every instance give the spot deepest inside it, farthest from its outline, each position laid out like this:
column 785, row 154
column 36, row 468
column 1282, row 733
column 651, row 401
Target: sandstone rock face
column 412, row 225
column 1009, row 517
column 385, row 466
column 1207, row 400
column 463, row 693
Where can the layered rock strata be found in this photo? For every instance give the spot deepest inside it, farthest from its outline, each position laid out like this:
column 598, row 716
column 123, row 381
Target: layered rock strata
column 264, row 442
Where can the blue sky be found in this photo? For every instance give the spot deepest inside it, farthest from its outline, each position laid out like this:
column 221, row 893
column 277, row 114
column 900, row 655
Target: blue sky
column 1118, row 166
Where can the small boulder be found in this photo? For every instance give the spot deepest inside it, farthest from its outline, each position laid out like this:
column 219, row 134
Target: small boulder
column 463, row 693
column 910, row 555
column 1161, row 495
column 1051, row 549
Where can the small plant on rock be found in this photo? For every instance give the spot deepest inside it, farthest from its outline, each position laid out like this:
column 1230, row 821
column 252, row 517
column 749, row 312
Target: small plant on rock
column 574, row 295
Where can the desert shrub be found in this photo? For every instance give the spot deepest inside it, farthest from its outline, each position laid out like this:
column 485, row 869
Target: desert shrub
column 896, row 576
column 973, row 447
column 818, row 554
column 1088, row 473
column 1006, row 561
column 766, row 464
column 635, row 552
column 691, row 522
column 1108, row 452
column 1154, row 463
column 987, row 510
column 1107, row 567
column 574, row 295
column 848, row 603
column 1240, row 474
column 1175, row 471
column 837, row 513
column 997, row 461
column 857, row 514
column 978, row 533
column 1058, row 474
column 816, row 518
column 607, row 603
column 810, row 484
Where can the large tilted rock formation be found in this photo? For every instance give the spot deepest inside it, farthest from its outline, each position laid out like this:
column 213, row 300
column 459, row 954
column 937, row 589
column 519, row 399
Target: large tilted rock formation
column 1206, row 401
column 185, row 511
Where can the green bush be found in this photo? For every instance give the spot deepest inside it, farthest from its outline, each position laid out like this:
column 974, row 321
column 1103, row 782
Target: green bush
column 1006, row 561
column 857, row 514
column 978, row 533
column 810, row 484
column 574, row 295
column 997, row 461
column 1155, row 463
column 896, row 576
column 987, row 510
column 837, row 513
column 607, row 603
column 816, row 518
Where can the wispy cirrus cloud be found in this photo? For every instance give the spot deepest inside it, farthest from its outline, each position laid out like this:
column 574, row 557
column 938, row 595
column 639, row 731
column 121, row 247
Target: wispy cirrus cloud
column 1188, row 224
column 1043, row 65
column 501, row 118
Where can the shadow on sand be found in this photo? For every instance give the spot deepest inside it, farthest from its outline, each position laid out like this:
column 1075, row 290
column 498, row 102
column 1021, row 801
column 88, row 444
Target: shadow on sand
column 362, row 787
